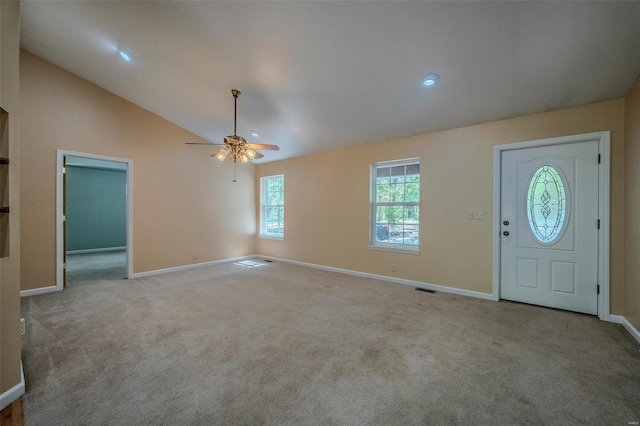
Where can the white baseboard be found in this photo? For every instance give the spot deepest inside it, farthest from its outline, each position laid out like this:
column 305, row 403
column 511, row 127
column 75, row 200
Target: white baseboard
column 96, row 250
column 41, row 290
column 192, row 266
column 619, row 319
column 14, row 393
column 426, row 286
column 50, row 289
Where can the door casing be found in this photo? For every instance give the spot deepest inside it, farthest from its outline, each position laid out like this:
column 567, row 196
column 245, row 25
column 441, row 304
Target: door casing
column 603, row 139
column 60, row 254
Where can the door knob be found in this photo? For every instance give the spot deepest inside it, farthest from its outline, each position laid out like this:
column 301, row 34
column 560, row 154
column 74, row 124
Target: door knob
column 505, row 233
column 505, row 223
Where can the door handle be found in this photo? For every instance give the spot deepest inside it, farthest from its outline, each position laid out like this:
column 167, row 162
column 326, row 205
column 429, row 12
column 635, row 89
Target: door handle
column 505, row 233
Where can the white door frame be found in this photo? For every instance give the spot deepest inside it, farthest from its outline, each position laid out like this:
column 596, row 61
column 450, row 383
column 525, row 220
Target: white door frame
column 603, row 139
column 61, row 153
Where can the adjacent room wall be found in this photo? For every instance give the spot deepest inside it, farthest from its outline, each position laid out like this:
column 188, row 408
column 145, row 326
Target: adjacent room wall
column 184, row 201
column 327, row 199
column 632, row 205
column 96, row 208
column 10, row 266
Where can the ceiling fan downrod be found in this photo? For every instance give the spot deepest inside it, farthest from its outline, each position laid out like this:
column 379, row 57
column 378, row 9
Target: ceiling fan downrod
column 235, row 94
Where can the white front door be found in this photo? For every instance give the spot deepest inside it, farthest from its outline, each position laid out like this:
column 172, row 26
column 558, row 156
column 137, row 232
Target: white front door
column 549, row 226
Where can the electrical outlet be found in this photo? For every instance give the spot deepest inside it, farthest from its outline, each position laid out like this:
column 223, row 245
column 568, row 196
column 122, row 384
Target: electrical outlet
column 469, row 215
column 479, row 215
column 394, row 269
column 195, row 257
column 22, row 327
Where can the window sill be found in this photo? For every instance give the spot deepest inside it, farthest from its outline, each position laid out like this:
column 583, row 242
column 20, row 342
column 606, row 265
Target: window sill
column 403, row 250
column 271, row 237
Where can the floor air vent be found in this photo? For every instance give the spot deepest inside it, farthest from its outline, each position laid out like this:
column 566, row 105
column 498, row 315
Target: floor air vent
column 425, row 290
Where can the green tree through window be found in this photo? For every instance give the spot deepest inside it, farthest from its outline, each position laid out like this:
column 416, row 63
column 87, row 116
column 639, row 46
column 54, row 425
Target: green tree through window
column 396, row 203
column 272, row 211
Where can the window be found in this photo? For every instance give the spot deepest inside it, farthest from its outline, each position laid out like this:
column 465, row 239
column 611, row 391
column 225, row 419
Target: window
column 272, row 206
column 395, row 205
column 546, row 204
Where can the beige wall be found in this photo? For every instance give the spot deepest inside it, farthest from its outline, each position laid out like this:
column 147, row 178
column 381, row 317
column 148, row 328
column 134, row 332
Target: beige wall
column 184, row 201
column 10, row 266
column 632, row 205
column 327, row 199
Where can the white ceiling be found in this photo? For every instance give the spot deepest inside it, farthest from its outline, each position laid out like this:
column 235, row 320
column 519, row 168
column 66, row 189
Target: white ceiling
column 317, row 76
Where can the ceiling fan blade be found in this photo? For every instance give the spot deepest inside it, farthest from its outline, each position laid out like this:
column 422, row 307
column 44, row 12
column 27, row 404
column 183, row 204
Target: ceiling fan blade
column 258, row 156
column 262, row 146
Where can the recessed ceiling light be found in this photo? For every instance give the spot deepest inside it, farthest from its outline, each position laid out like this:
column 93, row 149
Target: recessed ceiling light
column 255, row 133
column 125, row 55
column 430, row 80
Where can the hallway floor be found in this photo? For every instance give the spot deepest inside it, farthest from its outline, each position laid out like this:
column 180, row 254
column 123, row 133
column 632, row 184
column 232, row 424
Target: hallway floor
column 95, row 268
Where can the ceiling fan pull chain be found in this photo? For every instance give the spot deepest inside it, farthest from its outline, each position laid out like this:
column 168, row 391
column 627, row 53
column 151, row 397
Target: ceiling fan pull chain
column 234, row 171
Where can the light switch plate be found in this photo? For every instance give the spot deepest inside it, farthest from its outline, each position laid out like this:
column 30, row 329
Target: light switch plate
column 469, row 215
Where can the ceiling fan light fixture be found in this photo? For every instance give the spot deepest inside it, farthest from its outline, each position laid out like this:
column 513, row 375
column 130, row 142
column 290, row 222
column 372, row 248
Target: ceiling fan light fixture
column 430, row 79
column 236, row 147
column 222, row 154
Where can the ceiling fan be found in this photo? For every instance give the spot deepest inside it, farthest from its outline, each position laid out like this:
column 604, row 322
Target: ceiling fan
column 236, row 147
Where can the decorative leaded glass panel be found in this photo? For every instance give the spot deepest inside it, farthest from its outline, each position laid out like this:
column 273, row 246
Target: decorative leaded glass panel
column 546, row 204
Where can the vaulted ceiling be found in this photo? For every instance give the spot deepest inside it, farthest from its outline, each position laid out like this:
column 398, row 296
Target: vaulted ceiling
column 317, row 76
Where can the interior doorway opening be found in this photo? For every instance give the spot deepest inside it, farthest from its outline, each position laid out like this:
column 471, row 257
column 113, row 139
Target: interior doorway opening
column 94, row 205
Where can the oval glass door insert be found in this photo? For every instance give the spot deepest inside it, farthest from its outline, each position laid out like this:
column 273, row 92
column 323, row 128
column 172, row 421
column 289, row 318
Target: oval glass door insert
column 546, row 204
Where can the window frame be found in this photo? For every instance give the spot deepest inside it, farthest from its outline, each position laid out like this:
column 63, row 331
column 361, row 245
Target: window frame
column 388, row 246
column 264, row 206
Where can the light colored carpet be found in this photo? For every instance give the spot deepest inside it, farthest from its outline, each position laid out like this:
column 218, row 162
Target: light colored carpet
column 96, row 268
column 287, row 345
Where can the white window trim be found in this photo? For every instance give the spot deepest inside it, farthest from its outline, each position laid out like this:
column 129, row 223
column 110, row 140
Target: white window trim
column 389, row 247
column 396, row 248
column 272, row 236
column 263, row 234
